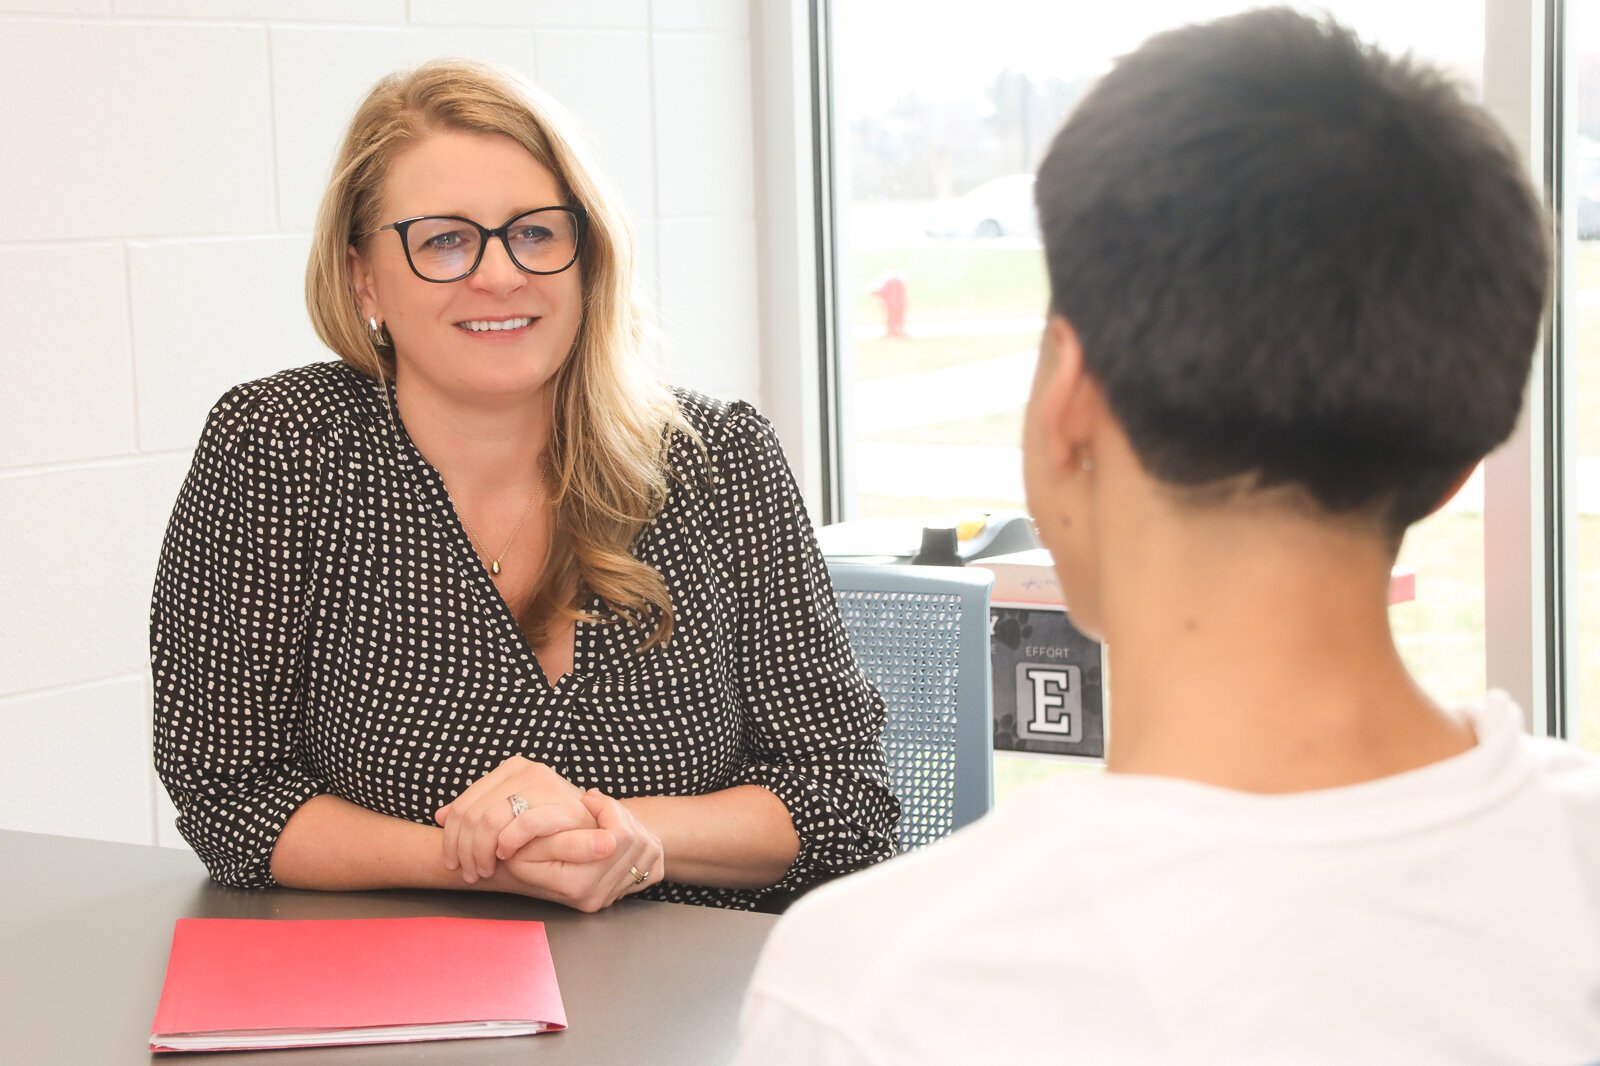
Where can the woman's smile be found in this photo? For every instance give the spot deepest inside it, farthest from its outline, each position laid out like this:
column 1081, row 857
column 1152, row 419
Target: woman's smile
column 498, row 327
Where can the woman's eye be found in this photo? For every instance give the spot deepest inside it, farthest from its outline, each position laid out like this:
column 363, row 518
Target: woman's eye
column 443, row 241
column 531, row 233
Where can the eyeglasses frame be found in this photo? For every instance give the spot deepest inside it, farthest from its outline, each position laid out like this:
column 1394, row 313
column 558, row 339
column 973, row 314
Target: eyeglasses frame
column 580, row 220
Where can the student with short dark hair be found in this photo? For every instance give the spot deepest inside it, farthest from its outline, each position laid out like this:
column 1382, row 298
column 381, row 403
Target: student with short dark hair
column 1296, row 285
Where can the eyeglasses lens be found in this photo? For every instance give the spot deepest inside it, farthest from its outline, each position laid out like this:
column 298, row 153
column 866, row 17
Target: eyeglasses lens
column 543, row 240
column 444, row 249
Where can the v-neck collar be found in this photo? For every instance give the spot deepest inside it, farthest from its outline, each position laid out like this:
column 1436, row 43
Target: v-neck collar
column 428, row 486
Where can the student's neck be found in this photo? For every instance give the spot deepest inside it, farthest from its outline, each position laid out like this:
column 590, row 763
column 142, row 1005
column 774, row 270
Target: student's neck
column 483, row 450
column 1258, row 657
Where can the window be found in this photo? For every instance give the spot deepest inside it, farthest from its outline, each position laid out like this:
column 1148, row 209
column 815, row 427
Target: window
column 940, row 113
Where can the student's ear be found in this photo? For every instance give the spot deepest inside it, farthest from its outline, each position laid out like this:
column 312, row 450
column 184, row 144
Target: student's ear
column 1067, row 401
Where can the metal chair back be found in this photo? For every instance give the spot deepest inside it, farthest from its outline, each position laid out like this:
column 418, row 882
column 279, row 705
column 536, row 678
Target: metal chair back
column 921, row 635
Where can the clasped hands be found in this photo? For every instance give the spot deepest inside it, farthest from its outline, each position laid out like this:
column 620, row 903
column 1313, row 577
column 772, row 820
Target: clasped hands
column 575, row 847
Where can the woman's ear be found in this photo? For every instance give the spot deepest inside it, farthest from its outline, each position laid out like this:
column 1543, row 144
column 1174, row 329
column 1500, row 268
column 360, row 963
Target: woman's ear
column 361, row 280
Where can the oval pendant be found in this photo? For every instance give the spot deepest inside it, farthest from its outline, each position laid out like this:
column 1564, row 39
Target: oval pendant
column 494, row 568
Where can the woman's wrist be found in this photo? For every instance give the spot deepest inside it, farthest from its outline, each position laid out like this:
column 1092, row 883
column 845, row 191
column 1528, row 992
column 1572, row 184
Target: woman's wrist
column 742, row 837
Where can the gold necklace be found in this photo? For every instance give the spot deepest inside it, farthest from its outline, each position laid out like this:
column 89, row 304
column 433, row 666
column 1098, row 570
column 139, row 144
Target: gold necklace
column 477, row 546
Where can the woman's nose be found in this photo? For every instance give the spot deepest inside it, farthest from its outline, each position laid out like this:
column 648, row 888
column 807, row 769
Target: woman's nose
column 498, row 272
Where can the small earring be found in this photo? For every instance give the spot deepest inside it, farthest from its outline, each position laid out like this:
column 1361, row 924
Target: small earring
column 377, row 334
column 1086, row 465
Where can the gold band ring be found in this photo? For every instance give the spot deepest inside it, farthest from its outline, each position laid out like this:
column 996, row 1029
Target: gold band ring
column 639, row 878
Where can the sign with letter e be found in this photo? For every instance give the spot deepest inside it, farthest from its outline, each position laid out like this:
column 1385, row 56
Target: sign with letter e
column 1048, row 683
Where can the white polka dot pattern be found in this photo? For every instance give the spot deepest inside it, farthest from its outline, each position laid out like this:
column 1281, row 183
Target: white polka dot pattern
column 321, row 624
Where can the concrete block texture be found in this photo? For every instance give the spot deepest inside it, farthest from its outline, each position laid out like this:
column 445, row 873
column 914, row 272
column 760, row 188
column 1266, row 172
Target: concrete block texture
column 55, row 7
column 279, row 10
column 98, row 147
column 208, row 315
column 604, row 80
column 57, row 741
column 718, row 16
column 320, row 75
column 565, row 14
column 66, row 384
column 79, row 549
column 708, row 304
column 705, row 140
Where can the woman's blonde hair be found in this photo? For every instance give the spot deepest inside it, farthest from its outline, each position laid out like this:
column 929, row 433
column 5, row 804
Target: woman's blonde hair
column 607, row 472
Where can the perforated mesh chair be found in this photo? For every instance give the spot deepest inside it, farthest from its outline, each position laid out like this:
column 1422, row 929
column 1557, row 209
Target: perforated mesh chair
column 921, row 634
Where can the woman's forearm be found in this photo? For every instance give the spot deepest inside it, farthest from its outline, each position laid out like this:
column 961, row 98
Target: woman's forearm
column 332, row 844
column 740, row 837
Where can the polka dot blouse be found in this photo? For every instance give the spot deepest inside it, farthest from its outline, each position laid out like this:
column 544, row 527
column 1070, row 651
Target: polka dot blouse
column 321, row 624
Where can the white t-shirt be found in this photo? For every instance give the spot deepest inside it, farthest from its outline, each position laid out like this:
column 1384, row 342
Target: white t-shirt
column 1450, row 914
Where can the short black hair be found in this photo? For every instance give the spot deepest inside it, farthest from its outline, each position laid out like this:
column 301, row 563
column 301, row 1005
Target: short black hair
column 1290, row 256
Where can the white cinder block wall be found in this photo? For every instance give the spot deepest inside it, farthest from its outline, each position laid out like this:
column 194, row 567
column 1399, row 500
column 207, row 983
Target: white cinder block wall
column 160, row 168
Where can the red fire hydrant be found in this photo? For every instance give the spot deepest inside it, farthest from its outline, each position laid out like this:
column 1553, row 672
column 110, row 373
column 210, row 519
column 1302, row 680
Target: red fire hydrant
column 891, row 289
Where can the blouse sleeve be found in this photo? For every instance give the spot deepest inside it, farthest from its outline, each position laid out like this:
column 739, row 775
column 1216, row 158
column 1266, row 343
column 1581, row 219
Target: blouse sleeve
column 226, row 625
column 813, row 723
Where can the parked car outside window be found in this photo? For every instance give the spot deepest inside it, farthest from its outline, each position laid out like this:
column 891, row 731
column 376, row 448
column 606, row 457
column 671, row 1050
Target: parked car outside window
column 1001, row 207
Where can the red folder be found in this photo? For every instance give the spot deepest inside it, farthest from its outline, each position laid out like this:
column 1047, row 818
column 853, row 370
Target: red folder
column 234, row 984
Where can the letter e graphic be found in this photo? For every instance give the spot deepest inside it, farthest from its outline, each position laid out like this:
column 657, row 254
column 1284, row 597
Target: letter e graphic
column 1050, row 701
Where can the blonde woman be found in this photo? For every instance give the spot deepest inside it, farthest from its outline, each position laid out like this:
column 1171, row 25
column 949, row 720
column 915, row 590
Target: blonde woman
column 483, row 604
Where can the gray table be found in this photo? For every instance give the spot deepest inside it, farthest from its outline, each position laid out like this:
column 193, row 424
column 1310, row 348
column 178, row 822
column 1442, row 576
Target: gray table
column 85, row 927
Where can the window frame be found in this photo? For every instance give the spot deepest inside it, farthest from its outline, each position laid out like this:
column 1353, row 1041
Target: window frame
column 1526, row 481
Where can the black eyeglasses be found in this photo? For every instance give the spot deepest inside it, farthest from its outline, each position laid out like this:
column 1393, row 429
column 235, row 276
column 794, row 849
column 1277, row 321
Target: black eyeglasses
column 445, row 248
